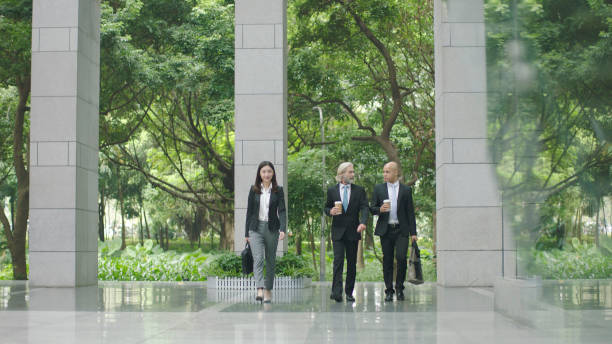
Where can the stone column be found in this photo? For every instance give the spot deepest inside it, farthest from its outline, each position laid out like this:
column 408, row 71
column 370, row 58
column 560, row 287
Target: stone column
column 64, row 143
column 470, row 235
column 260, row 100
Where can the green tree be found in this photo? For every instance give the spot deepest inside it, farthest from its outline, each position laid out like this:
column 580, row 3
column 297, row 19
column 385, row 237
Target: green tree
column 369, row 63
column 167, row 71
column 15, row 29
column 549, row 66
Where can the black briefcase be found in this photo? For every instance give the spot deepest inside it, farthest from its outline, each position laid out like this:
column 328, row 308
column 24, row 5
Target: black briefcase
column 247, row 259
column 415, row 270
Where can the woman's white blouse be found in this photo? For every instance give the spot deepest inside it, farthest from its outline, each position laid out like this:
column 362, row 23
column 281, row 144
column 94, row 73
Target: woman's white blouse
column 264, row 203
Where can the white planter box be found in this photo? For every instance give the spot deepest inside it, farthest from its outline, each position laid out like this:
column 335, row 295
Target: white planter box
column 246, row 283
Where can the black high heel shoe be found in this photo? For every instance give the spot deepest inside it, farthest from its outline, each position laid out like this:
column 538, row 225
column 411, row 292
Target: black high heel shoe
column 267, row 296
column 259, row 297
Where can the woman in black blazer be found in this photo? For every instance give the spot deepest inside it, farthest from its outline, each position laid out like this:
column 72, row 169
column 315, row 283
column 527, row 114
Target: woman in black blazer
column 266, row 222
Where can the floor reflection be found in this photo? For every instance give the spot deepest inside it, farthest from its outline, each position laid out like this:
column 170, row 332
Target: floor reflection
column 149, row 312
column 369, row 297
column 107, row 297
column 579, row 294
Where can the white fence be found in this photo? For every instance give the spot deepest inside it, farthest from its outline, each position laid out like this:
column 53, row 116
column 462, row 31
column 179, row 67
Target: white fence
column 246, row 283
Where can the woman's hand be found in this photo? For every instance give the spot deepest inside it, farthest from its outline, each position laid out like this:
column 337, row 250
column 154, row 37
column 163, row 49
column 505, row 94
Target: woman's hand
column 281, row 236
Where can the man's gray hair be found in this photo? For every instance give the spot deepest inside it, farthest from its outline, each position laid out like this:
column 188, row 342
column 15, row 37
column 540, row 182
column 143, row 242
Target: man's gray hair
column 341, row 169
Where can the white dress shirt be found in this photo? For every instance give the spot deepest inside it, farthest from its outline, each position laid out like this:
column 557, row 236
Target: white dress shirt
column 264, row 203
column 393, row 190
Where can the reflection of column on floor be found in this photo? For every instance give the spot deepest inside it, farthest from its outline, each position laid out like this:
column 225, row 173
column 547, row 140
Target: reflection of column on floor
column 260, row 100
column 64, row 142
column 279, row 296
column 470, row 235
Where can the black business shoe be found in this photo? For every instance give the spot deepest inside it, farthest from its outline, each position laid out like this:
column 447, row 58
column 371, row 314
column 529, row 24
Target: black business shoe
column 389, row 296
column 400, row 295
column 335, row 297
column 350, row 298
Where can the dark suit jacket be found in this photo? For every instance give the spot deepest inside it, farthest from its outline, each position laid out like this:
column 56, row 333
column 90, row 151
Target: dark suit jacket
column 405, row 210
column 347, row 221
column 277, row 215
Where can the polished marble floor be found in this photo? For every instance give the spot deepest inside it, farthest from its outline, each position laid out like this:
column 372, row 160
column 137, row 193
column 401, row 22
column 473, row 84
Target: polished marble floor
column 141, row 312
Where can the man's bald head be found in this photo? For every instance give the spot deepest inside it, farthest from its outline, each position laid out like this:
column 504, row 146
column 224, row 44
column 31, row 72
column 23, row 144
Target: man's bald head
column 391, row 172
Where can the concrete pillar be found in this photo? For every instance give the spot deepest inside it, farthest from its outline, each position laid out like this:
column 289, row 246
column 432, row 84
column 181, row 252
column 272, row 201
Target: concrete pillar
column 260, row 100
column 473, row 248
column 64, row 143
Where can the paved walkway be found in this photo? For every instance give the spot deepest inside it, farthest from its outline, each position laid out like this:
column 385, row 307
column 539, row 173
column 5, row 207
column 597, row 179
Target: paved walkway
column 141, row 312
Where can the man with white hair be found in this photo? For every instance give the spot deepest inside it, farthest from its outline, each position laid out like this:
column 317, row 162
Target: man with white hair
column 347, row 203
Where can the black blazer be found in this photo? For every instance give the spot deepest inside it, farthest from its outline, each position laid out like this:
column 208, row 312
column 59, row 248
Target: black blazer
column 347, row 221
column 277, row 215
column 405, row 210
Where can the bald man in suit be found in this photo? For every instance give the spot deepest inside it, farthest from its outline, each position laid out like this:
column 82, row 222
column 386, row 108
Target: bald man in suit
column 396, row 226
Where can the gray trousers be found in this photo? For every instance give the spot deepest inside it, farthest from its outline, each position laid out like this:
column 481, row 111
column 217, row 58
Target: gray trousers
column 263, row 244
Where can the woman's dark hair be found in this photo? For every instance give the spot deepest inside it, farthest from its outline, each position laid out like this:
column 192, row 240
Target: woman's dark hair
column 257, row 186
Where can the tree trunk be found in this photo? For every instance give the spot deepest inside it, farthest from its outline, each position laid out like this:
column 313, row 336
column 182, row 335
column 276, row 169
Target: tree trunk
column 212, row 236
column 580, row 224
column 121, row 208
column 141, row 229
column 575, row 222
column 227, row 235
column 434, row 234
column 115, row 220
column 167, row 236
column 597, row 224
column 101, row 213
column 17, row 238
column 298, row 242
column 12, row 206
column 144, row 214
column 312, row 248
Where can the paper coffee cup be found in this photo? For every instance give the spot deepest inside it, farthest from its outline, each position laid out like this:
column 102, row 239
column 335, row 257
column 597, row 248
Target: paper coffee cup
column 338, row 205
column 387, row 202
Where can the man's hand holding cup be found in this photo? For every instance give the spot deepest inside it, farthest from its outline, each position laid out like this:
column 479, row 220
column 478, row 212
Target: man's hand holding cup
column 386, row 207
column 337, row 209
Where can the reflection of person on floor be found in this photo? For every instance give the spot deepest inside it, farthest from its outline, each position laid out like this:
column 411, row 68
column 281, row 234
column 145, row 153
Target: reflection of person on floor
column 392, row 202
column 266, row 221
column 347, row 203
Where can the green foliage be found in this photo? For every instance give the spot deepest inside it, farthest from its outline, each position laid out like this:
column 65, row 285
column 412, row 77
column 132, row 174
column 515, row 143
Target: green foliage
column 15, row 45
column 226, row 265
column 110, row 248
column 293, row 266
column 6, row 273
column 230, row 265
column 149, row 263
column 166, row 106
column 579, row 261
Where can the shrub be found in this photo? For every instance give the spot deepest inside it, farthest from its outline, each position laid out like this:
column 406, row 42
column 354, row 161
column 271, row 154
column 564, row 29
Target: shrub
column 577, row 261
column 293, row 265
column 226, row 264
column 149, row 263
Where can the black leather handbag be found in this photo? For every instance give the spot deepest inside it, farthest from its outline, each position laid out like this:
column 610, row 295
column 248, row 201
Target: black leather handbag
column 415, row 270
column 247, row 259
